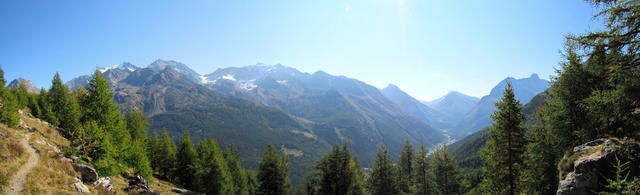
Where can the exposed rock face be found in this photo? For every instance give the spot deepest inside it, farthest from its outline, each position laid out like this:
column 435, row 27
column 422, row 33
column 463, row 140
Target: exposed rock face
column 80, row 188
column 139, row 186
column 104, row 183
column 183, row 191
column 89, row 174
column 593, row 162
column 31, row 88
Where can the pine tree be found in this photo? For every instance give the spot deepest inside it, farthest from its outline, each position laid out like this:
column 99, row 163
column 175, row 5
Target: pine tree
column 406, row 161
column 34, row 106
column 382, row 178
column 98, row 148
column 9, row 105
column 447, row 173
column 139, row 160
column 22, row 95
column 58, row 95
column 167, row 155
column 46, row 112
column 238, row 173
column 336, row 173
column 252, row 182
column 137, row 124
column 101, row 108
column 273, row 173
column 423, row 176
column 502, row 153
column 154, row 151
column 186, row 162
column 212, row 174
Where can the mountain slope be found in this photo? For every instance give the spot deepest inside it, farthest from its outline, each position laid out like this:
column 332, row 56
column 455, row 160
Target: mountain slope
column 347, row 109
column 31, row 88
column 455, row 105
column 423, row 112
column 479, row 117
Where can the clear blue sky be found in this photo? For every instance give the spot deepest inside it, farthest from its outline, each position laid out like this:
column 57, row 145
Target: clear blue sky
column 425, row 47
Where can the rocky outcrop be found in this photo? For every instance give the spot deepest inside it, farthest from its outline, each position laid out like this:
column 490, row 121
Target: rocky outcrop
column 104, row 183
column 588, row 167
column 80, row 188
column 88, row 173
column 139, row 185
column 183, row 191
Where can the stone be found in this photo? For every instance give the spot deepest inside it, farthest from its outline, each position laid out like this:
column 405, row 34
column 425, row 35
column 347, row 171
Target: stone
column 139, row 185
column 592, row 168
column 80, row 188
column 104, row 183
column 183, row 191
column 88, row 173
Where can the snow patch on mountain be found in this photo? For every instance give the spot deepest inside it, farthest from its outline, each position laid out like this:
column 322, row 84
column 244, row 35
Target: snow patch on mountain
column 228, row 77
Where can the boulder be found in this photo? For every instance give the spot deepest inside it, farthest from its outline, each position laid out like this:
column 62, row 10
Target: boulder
column 139, row 185
column 588, row 167
column 104, row 183
column 183, row 191
column 88, row 173
column 80, row 188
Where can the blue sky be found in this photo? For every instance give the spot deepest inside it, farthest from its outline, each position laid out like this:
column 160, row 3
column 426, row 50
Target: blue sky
column 425, row 47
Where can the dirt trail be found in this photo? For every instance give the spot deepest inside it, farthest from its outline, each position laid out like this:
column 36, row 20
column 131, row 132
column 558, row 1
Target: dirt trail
column 16, row 185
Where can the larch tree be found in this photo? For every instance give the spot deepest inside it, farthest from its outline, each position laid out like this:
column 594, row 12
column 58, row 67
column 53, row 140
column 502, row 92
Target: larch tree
column 382, row 179
column 502, row 155
column 273, row 173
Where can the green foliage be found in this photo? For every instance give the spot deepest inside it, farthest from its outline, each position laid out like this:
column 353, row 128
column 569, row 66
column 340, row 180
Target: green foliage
column 212, row 174
column 447, row 173
column 186, row 162
column 239, row 175
column 273, row 173
column 423, row 176
column 33, row 105
column 406, row 160
column 139, row 160
column 9, row 108
column 620, row 184
column 382, row 179
column 137, row 124
column 154, row 151
column 502, row 153
column 22, row 96
column 336, row 173
column 46, row 112
column 167, row 155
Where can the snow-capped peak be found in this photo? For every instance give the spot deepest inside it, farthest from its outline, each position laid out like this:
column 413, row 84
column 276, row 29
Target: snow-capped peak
column 124, row 66
column 228, row 77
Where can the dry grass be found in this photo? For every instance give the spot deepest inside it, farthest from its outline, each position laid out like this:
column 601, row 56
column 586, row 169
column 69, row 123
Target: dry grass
column 12, row 154
column 120, row 183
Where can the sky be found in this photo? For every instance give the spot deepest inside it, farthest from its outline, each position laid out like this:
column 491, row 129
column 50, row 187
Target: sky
column 425, row 47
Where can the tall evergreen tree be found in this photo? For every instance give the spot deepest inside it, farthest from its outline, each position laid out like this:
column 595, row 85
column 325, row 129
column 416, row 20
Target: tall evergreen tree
column 137, row 124
column 212, row 174
column 447, row 173
column 382, row 178
column 336, row 173
column 167, row 155
column 186, row 162
column 406, row 161
column 46, row 112
column 9, row 109
column 139, row 160
column 58, row 96
column 422, row 175
column 22, row 95
column 502, row 155
column 238, row 173
column 101, row 108
column 154, row 151
column 273, row 173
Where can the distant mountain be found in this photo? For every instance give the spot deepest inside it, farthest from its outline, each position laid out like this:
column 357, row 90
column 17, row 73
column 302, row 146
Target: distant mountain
column 347, row 108
column 466, row 150
column 423, row 112
column 31, row 88
column 180, row 67
column 174, row 102
column 479, row 117
column 454, row 104
column 83, row 80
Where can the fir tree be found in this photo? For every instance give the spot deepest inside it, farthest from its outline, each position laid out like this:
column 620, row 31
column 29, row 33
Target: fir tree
column 273, row 173
column 186, row 162
column 137, row 124
column 238, row 173
column 423, row 176
column 22, row 95
column 9, row 105
column 502, row 153
column 139, row 160
column 382, row 178
column 336, row 173
column 212, row 174
column 167, row 155
column 406, row 161
column 447, row 173
column 45, row 108
column 58, row 96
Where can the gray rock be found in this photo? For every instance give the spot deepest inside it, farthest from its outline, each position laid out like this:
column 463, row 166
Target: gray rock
column 592, row 168
column 183, row 191
column 88, row 173
column 80, row 188
column 104, row 183
column 139, row 185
